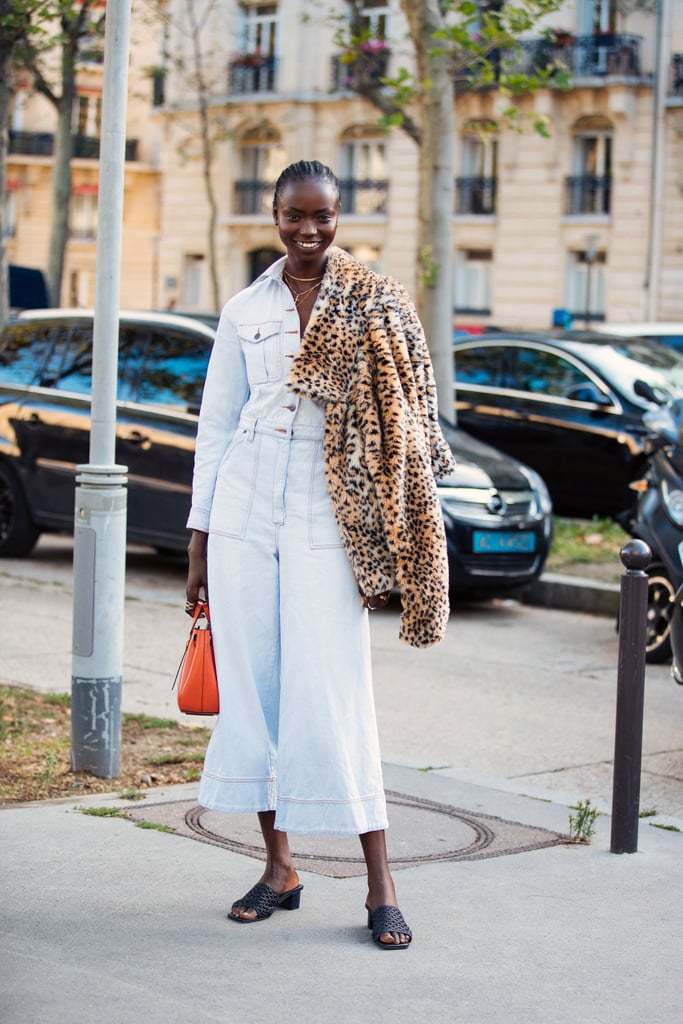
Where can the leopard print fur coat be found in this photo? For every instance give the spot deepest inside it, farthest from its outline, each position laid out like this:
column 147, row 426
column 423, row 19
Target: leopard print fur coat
column 364, row 355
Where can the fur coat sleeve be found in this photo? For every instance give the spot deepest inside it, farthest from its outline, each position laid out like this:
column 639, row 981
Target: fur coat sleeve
column 365, row 356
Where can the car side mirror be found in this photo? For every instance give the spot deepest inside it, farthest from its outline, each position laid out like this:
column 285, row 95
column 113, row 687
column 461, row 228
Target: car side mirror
column 645, row 390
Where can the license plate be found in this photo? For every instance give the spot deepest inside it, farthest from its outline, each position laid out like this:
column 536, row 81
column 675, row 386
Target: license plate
column 492, row 542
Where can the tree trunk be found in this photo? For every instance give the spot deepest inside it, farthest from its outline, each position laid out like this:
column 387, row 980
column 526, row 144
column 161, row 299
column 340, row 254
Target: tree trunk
column 436, row 190
column 5, row 96
column 207, row 144
column 61, row 178
column 207, row 170
column 434, row 236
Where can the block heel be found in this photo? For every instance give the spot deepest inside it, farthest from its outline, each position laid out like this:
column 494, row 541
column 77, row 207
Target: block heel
column 264, row 900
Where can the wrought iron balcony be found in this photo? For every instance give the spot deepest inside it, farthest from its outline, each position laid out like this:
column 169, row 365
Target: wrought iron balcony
column 43, row 144
column 31, row 143
column 370, row 65
column 362, row 197
column 587, row 194
column 677, row 75
column 252, row 72
column 601, row 55
column 253, row 197
column 475, row 195
column 83, row 234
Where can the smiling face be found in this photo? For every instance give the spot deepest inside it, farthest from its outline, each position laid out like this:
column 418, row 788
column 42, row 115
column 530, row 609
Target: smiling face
column 306, row 217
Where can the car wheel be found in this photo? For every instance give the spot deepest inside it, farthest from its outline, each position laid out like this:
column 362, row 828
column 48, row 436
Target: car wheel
column 18, row 532
column 660, row 591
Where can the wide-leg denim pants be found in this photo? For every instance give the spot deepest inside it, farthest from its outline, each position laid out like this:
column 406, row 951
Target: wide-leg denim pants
column 297, row 731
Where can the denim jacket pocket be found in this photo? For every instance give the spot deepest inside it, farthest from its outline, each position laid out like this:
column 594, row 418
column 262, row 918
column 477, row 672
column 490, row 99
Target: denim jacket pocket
column 261, row 346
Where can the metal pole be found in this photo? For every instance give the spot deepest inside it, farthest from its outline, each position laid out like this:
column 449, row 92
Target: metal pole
column 662, row 70
column 628, row 735
column 100, row 512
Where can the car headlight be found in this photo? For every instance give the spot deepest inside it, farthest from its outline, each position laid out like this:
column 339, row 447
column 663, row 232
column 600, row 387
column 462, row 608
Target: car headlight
column 673, row 502
column 538, row 486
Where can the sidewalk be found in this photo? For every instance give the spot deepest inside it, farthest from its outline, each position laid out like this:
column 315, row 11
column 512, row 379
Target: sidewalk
column 104, row 920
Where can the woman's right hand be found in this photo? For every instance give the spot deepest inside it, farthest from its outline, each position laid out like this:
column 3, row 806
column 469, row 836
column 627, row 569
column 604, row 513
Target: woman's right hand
column 196, row 572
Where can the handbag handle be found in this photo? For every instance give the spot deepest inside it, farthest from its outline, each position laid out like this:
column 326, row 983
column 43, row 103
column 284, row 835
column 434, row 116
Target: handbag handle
column 202, row 608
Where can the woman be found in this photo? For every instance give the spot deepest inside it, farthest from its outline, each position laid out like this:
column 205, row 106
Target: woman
column 318, row 428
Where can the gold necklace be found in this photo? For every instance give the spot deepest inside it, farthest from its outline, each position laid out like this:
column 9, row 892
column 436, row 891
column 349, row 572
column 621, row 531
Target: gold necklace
column 318, row 278
column 300, row 296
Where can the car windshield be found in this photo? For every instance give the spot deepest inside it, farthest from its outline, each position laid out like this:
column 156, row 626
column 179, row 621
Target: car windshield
column 625, row 360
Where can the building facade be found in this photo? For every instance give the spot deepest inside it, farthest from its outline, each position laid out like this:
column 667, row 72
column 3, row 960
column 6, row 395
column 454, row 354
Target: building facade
column 31, row 147
column 587, row 220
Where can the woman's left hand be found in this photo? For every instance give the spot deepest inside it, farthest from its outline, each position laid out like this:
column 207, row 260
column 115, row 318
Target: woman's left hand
column 376, row 600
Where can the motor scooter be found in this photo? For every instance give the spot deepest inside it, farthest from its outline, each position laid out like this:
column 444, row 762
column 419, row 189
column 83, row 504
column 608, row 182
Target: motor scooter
column 657, row 518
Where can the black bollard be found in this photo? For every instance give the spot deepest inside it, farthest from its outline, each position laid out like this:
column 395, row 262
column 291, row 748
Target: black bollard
column 628, row 736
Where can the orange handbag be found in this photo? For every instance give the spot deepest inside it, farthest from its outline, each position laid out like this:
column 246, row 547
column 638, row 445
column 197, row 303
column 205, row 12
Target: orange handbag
column 196, row 675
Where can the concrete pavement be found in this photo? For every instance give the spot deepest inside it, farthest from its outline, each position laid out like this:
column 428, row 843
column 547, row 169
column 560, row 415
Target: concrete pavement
column 104, row 920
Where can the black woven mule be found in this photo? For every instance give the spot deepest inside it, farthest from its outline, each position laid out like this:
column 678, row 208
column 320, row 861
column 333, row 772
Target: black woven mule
column 264, row 901
column 388, row 919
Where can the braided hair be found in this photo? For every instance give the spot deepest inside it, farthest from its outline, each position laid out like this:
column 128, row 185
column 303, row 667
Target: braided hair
column 304, row 170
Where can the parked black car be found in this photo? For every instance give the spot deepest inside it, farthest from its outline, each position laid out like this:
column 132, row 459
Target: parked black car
column 564, row 403
column 498, row 517
column 45, row 385
column 497, row 513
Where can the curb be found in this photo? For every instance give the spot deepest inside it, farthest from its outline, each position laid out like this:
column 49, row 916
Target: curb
column 574, row 594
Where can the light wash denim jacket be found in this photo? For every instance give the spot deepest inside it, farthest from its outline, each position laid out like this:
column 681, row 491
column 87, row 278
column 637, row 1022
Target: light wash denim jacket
column 257, row 338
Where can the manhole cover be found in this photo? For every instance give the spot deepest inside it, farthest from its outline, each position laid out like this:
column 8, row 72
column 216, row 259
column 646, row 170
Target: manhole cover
column 422, row 831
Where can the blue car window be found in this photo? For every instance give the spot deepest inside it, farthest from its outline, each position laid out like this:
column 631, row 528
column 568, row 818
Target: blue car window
column 479, row 365
column 24, row 350
column 546, row 373
column 69, row 366
column 174, row 370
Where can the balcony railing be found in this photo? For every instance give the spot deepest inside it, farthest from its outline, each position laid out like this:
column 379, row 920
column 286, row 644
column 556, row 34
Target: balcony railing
column 252, row 73
column 83, row 234
column 43, row 144
column 255, row 197
column 362, row 197
column 31, row 143
column 475, row 195
column 598, row 55
column 677, row 74
column 587, row 194
column 372, row 65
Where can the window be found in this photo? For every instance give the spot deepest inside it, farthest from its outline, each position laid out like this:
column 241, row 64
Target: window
column 193, row 273
column 597, row 16
column 79, row 288
column 252, row 68
column 10, row 214
column 260, row 260
column 69, row 366
column 174, row 369
column 473, row 281
column 92, row 49
column 590, row 184
column 261, row 159
column 363, row 173
column 476, row 188
column 88, row 115
column 586, row 284
column 480, row 366
column 83, row 220
column 375, row 18
column 547, row 374
column 24, row 347
column 258, row 29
